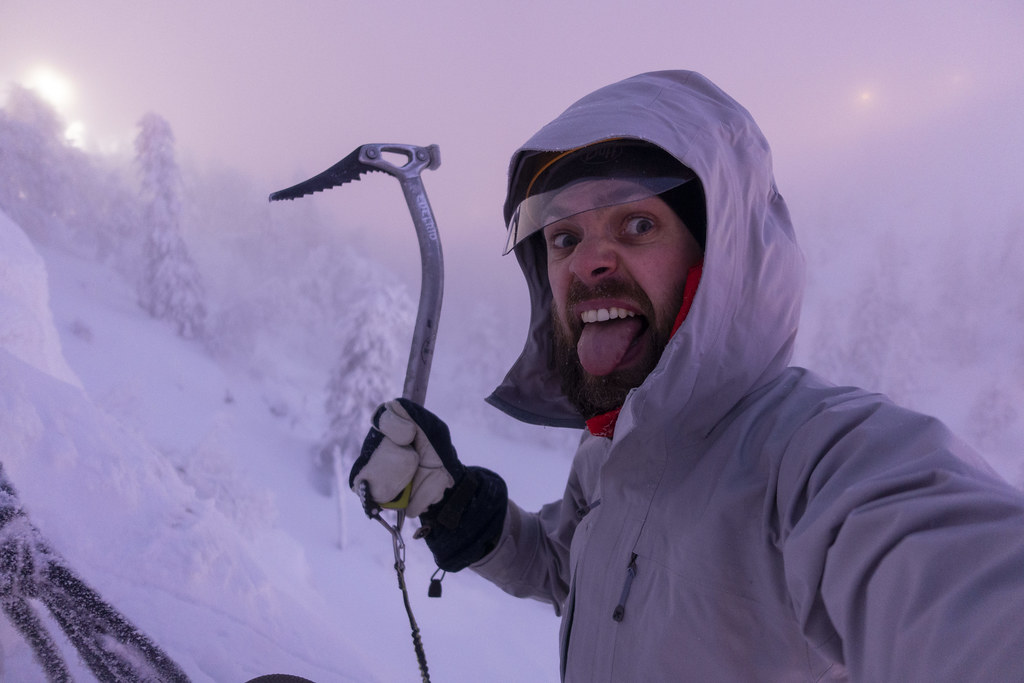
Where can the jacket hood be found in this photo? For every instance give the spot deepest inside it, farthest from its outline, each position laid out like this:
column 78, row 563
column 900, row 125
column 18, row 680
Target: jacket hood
column 740, row 331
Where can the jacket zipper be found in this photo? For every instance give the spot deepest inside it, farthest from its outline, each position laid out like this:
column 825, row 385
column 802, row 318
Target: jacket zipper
column 585, row 510
column 620, row 609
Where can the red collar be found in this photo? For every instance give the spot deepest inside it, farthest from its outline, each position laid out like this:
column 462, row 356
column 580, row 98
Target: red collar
column 604, row 424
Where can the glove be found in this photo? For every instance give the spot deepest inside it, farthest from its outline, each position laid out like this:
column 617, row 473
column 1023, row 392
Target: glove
column 461, row 509
column 407, row 443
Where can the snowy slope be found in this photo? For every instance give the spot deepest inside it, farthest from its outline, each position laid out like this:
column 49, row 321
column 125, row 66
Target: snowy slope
column 27, row 330
column 181, row 491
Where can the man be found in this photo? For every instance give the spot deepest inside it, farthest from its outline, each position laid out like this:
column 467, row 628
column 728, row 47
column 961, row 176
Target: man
column 727, row 517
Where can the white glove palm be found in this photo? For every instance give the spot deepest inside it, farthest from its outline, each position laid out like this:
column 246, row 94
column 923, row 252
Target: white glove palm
column 407, row 444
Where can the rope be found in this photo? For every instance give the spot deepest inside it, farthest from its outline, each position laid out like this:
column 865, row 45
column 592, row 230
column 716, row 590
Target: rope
column 417, row 643
column 373, row 511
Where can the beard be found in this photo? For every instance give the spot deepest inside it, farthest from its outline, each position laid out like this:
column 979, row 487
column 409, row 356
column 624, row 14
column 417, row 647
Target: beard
column 594, row 395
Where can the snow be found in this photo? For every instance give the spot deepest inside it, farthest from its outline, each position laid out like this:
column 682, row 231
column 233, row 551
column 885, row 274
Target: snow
column 180, row 490
column 27, row 329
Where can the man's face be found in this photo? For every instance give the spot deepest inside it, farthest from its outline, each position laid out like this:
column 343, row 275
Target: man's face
column 617, row 276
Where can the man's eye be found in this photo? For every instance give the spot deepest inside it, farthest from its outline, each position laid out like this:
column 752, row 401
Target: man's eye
column 638, row 225
column 564, row 240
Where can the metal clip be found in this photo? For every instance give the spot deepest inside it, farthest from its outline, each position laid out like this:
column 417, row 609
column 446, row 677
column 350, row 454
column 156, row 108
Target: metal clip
column 396, row 538
column 373, row 511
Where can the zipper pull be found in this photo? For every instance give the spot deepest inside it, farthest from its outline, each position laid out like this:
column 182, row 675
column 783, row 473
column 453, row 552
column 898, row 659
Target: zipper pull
column 620, row 609
column 585, row 510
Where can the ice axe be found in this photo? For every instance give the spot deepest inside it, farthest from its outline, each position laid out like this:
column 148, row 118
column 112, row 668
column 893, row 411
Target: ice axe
column 367, row 159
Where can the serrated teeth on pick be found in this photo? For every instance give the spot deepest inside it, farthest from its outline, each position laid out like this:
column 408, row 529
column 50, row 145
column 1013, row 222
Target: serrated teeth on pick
column 599, row 315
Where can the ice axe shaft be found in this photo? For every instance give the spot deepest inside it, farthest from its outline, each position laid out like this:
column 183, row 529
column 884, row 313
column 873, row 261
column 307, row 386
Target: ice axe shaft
column 421, row 353
column 376, row 157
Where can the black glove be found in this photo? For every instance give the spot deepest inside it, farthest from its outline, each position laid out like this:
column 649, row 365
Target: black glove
column 407, row 445
column 461, row 509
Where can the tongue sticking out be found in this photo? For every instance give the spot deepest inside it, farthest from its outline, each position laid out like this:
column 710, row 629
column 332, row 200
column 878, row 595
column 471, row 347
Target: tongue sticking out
column 602, row 346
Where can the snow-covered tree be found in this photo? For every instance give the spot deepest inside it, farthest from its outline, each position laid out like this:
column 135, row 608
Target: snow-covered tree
column 34, row 164
column 60, row 194
column 371, row 359
column 170, row 288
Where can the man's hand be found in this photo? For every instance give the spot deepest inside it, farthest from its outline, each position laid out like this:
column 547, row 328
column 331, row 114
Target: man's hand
column 407, row 444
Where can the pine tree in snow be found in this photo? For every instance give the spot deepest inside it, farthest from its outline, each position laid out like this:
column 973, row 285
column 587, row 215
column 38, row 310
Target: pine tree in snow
column 34, row 164
column 60, row 194
column 170, row 288
column 372, row 357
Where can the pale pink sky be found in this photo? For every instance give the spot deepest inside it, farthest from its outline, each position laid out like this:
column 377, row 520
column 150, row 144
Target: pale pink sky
column 284, row 89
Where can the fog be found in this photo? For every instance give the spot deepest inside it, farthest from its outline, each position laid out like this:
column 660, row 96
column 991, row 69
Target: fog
column 895, row 129
column 283, row 91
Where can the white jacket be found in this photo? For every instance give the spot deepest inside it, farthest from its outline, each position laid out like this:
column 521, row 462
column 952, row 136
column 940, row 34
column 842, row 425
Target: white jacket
column 752, row 521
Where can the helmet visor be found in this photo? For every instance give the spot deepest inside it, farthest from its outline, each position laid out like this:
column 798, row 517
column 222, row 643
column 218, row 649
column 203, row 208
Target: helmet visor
column 538, row 211
column 633, row 170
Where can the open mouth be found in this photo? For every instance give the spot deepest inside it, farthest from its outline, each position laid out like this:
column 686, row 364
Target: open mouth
column 609, row 338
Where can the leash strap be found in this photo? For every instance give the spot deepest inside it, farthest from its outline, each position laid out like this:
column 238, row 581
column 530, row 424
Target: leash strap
column 373, row 511
column 417, row 643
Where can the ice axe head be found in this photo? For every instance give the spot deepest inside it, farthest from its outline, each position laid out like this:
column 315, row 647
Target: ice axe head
column 367, row 159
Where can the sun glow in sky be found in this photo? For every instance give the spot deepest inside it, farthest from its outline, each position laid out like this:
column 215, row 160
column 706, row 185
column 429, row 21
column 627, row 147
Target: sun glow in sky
column 51, row 85
column 56, row 88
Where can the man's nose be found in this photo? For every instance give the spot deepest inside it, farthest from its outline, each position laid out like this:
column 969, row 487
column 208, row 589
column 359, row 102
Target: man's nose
column 594, row 258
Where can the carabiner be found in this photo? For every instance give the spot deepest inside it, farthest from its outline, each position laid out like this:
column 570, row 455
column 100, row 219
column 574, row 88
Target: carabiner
column 373, row 511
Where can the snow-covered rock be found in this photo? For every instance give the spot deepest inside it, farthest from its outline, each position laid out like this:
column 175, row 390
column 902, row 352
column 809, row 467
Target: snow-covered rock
column 26, row 324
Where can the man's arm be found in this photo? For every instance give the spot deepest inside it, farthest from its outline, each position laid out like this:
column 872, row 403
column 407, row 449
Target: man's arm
column 532, row 556
column 903, row 559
